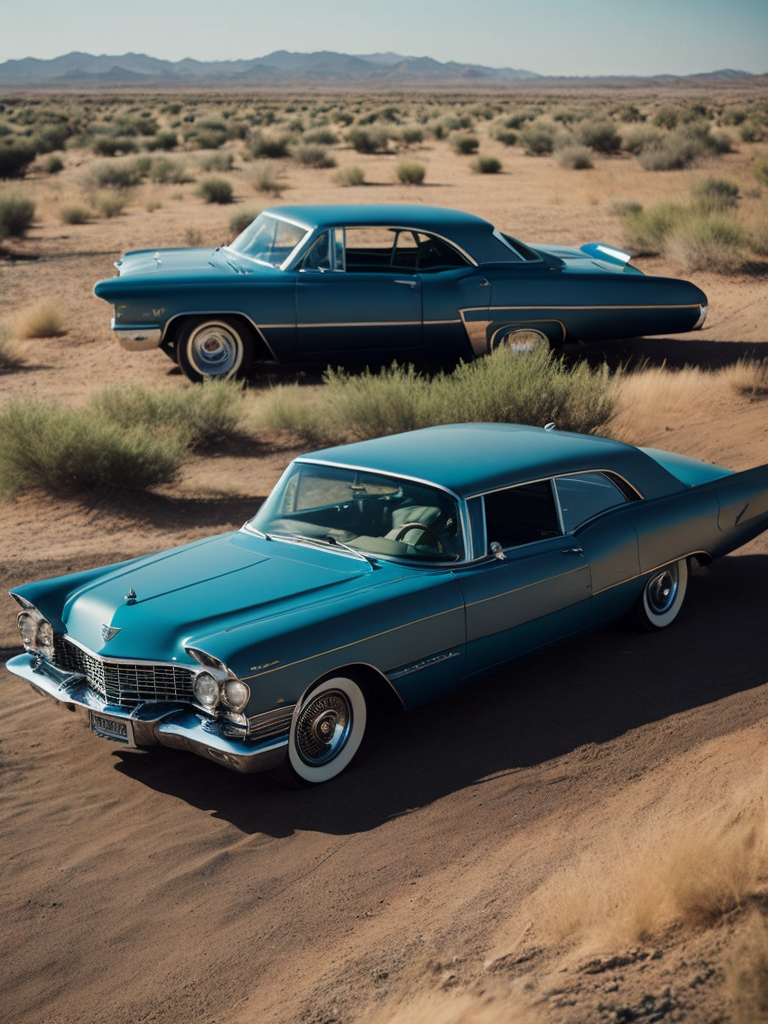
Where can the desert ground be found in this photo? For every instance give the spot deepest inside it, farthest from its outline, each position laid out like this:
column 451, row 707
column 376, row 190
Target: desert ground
column 582, row 838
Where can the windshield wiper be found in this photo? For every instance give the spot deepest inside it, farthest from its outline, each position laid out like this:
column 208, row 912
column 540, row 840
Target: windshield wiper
column 326, row 542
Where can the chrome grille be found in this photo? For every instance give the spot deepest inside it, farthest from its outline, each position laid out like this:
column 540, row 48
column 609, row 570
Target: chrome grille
column 125, row 683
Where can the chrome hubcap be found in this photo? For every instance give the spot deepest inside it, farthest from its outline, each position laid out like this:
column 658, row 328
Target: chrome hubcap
column 323, row 727
column 662, row 591
column 215, row 350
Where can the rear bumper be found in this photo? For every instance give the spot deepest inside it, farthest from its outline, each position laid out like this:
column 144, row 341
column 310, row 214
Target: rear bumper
column 137, row 338
column 150, row 724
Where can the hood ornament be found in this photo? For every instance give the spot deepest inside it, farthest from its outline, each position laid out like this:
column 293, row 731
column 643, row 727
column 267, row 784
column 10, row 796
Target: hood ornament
column 130, row 597
column 108, row 632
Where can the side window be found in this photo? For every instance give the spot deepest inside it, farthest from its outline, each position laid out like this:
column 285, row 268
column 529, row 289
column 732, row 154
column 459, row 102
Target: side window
column 584, row 495
column 521, row 514
column 319, row 256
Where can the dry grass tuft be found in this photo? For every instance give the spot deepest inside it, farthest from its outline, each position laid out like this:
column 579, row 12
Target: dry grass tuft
column 656, row 395
column 686, row 873
column 9, row 357
column 748, row 378
column 746, row 973
column 42, row 320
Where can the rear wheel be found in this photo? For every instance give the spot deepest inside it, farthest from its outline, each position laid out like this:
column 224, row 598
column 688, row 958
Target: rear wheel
column 219, row 347
column 662, row 598
column 524, row 341
column 327, row 730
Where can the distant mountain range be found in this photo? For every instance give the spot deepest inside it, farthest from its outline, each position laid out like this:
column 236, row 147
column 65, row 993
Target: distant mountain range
column 283, row 69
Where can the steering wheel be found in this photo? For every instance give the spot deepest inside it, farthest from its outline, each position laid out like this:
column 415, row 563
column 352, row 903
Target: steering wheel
column 419, row 526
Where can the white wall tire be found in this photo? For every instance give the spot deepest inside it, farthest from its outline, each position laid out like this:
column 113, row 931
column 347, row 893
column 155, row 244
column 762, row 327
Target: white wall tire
column 327, row 729
column 662, row 598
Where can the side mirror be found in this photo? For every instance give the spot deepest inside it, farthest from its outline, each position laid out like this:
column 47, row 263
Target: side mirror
column 497, row 551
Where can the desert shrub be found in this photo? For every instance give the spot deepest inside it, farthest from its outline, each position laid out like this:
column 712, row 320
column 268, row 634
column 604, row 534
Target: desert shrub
column 410, row 174
column 15, row 158
column 667, row 117
column 601, row 136
column 457, row 122
column 503, row 387
column 261, row 146
column 760, row 171
column 197, row 416
column 486, row 165
column 748, row 377
column 624, row 207
column 111, row 145
column 629, row 114
column 313, row 156
column 752, row 131
column 9, row 357
column 205, row 138
column 265, row 178
column 165, row 171
column 53, row 165
column 412, row 136
column 538, row 139
column 713, row 240
column 716, row 193
column 166, row 141
column 350, row 177
column 575, row 158
column 109, row 202
column 215, row 190
column 321, row 137
column 240, row 221
column 465, row 145
column 757, row 233
column 74, row 213
column 220, row 162
column 678, row 150
column 643, row 137
column 121, row 175
column 44, row 446
column 16, row 215
column 51, row 137
column 506, row 138
column 368, row 140
column 42, row 320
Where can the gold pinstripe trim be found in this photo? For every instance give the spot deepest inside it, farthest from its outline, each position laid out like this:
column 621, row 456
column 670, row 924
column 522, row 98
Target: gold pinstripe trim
column 352, row 643
column 527, row 586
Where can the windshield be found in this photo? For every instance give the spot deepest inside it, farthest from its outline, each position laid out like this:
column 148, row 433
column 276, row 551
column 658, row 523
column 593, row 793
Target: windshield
column 269, row 239
column 377, row 514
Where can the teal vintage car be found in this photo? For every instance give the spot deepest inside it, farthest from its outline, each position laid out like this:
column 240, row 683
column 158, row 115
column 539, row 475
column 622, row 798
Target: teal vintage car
column 342, row 285
column 386, row 571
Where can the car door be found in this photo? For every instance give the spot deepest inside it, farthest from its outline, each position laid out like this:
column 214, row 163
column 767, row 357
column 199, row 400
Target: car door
column 536, row 590
column 361, row 302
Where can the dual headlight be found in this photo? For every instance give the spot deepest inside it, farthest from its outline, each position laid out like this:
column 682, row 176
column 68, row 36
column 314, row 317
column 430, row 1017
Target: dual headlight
column 216, row 686
column 36, row 631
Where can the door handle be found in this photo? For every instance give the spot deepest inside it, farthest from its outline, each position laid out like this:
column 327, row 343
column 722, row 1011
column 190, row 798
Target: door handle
column 411, row 283
column 573, row 551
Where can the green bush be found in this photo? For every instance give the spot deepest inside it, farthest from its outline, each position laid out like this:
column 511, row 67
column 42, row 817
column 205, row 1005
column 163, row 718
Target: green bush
column 465, row 145
column 575, row 158
column 716, row 193
column 696, row 236
column 350, row 177
column 261, row 146
column 411, row 174
column 321, row 137
column 538, row 139
column 221, row 162
column 110, row 145
column 412, row 136
column 197, row 416
column 74, row 213
column 53, row 165
column 503, row 387
column 165, row 171
column 16, row 215
column 506, row 138
column 109, row 202
column 486, row 165
column 215, row 190
column 15, row 158
column 163, row 140
column 600, row 136
column 368, row 140
column 64, row 451
column 122, row 175
column 760, row 171
column 313, row 156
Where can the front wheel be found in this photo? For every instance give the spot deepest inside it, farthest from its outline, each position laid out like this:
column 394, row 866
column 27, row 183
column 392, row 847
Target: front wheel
column 327, row 730
column 662, row 598
column 220, row 347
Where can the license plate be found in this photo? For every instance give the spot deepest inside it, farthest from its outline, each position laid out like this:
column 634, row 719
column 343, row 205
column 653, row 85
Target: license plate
column 118, row 729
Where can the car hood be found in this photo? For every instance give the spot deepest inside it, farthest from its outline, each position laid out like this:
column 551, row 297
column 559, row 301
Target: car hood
column 161, row 603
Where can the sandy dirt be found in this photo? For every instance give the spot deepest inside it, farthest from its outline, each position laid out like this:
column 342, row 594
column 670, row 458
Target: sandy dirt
column 155, row 887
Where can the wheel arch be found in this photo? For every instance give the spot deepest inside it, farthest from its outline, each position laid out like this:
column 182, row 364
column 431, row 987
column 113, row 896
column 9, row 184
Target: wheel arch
column 175, row 324
column 377, row 687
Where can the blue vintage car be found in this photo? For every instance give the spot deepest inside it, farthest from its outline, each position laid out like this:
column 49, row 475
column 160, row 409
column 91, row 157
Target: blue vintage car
column 369, row 284
column 391, row 570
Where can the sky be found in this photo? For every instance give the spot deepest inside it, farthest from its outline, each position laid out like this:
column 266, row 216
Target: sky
column 550, row 37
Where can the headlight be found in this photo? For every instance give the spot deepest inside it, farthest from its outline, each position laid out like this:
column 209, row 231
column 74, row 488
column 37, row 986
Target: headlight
column 36, row 632
column 236, row 694
column 206, row 690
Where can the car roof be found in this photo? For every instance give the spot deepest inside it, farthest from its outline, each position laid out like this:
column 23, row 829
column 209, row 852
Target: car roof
column 472, row 458
column 398, row 214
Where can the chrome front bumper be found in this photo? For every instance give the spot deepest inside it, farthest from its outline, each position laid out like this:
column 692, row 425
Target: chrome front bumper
column 149, row 724
column 135, row 338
